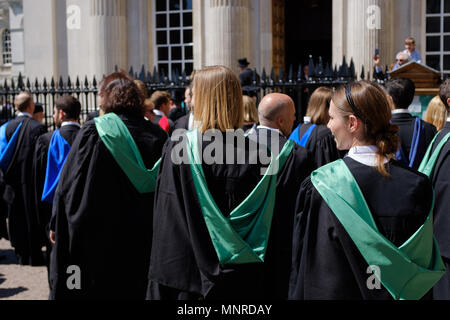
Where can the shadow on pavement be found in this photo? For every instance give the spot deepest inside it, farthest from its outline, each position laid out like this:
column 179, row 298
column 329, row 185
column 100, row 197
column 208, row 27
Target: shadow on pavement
column 8, row 257
column 6, row 293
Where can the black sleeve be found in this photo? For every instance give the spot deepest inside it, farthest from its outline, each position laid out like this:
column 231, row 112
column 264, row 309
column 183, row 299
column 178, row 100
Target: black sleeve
column 170, row 219
column 43, row 210
column 325, row 151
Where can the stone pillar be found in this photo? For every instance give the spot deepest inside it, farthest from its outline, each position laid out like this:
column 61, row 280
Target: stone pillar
column 108, row 38
column 265, row 35
column 17, row 44
column 360, row 27
column 97, row 37
column 138, row 46
column 44, row 34
column 225, row 29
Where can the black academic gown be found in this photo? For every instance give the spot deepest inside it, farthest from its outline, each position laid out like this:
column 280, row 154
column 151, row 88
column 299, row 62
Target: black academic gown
column 321, row 144
column 91, row 115
column 184, row 264
column 441, row 182
column 44, row 209
column 405, row 122
column 103, row 224
column 182, row 123
column 23, row 226
column 326, row 263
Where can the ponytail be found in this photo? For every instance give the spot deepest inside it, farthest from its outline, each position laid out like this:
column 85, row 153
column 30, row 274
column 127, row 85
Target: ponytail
column 387, row 142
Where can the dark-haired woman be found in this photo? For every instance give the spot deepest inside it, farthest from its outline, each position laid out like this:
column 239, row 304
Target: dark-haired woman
column 103, row 211
column 363, row 226
column 313, row 134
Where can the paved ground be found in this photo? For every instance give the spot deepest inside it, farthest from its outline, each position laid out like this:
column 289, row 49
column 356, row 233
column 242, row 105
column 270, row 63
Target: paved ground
column 20, row 282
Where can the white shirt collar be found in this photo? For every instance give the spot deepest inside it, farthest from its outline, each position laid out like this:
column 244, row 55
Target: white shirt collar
column 271, row 129
column 191, row 121
column 159, row 113
column 367, row 155
column 398, row 111
column 448, row 119
column 70, row 123
column 25, row 114
column 307, row 120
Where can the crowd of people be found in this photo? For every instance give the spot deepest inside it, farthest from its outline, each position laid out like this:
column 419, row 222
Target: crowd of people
column 221, row 199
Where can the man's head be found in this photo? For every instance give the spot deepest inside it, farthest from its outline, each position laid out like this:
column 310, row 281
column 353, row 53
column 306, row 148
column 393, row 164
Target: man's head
column 148, row 109
column 161, row 101
column 402, row 58
column 277, row 111
column 67, row 108
column 38, row 114
column 444, row 93
column 402, row 92
column 243, row 63
column 24, row 102
column 410, row 44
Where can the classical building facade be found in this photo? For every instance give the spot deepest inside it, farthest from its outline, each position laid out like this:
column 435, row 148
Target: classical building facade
column 45, row 38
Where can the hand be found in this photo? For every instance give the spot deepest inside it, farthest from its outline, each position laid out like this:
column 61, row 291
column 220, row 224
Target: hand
column 377, row 60
column 52, row 237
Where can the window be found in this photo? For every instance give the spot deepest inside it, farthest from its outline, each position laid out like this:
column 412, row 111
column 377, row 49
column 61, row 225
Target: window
column 438, row 35
column 6, row 46
column 174, row 42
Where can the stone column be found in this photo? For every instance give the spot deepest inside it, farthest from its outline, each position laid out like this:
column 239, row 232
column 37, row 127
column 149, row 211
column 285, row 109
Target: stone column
column 225, row 30
column 138, row 47
column 108, row 38
column 17, row 44
column 360, row 27
column 42, row 38
column 97, row 37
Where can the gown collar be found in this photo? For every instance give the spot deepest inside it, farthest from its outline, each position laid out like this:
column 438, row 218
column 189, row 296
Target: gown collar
column 367, row 155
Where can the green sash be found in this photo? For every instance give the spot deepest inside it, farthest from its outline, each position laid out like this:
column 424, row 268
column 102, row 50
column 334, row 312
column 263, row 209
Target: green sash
column 429, row 160
column 120, row 143
column 408, row 272
column 242, row 237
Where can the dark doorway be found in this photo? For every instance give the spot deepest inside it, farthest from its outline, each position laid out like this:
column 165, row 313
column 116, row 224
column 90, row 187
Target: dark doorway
column 308, row 31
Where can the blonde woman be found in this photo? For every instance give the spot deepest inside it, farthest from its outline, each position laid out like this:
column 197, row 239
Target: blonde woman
column 250, row 113
column 313, row 134
column 210, row 241
column 436, row 113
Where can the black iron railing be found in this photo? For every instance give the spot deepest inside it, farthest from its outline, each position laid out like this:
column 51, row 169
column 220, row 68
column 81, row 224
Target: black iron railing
column 296, row 84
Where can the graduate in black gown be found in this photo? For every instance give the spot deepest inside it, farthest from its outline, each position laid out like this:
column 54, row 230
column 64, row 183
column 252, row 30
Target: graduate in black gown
column 276, row 115
column 191, row 257
column 440, row 177
column 350, row 251
column 313, row 134
column 103, row 218
column 18, row 191
column 415, row 134
column 66, row 115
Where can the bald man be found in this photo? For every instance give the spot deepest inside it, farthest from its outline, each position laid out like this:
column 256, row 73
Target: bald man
column 276, row 116
column 18, row 188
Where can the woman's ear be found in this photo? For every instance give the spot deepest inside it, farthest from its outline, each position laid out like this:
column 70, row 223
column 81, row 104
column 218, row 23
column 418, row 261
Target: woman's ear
column 353, row 123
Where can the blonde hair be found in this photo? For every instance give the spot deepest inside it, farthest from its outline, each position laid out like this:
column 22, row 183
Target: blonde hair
column 250, row 110
column 436, row 113
column 318, row 106
column 218, row 99
column 410, row 40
